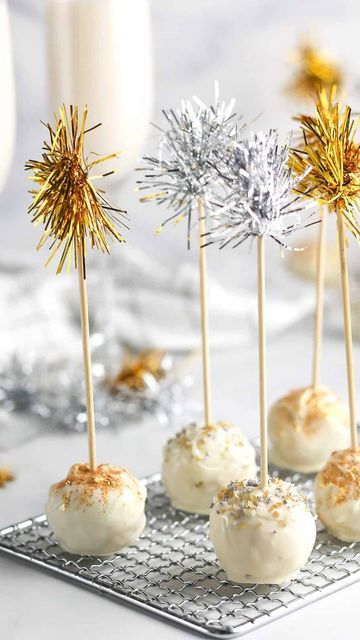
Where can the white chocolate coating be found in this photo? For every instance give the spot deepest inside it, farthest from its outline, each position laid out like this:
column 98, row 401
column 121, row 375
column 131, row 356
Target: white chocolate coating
column 355, row 315
column 200, row 460
column 261, row 536
column 96, row 513
column 304, row 263
column 305, row 426
column 337, row 495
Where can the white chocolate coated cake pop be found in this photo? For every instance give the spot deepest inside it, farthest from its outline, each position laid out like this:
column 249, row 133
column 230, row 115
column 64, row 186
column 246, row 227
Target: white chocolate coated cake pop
column 305, row 426
column 337, row 495
column 200, row 460
column 261, row 535
column 96, row 512
column 304, row 263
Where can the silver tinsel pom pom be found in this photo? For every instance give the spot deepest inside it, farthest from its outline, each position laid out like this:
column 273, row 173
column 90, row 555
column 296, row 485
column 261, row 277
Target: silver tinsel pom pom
column 260, row 199
column 185, row 168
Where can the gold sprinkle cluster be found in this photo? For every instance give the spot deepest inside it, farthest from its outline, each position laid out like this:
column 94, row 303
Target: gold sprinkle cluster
column 303, row 408
column 66, row 200
column 332, row 154
column 246, row 498
column 196, row 439
column 341, row 473
column 315, row 70
column 103, row 480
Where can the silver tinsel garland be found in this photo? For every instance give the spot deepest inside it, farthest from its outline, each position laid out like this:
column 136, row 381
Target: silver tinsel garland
column 51, row 395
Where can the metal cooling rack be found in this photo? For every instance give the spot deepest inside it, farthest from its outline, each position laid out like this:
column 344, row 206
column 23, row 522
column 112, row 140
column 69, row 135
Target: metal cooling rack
column 172, row 570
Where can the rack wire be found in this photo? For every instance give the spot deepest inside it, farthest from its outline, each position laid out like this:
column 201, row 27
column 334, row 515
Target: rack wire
column 172, row 570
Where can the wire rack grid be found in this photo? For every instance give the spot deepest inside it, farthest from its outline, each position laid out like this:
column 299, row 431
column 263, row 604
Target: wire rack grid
column 172, row 570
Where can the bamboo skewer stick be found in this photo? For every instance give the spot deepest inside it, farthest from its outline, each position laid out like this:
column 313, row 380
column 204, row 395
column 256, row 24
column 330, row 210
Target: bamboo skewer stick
column 320, row 287
column 204, row 316
column 347, row 329
column 262, row 360
column 86, row 357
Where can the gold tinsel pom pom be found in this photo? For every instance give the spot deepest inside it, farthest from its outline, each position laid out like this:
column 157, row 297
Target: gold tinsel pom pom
column 330, row 150
column 66, row 202
column 315, row 71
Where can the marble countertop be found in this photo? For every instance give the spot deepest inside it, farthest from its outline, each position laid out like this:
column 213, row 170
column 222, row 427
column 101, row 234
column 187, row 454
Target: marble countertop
column 35, row 605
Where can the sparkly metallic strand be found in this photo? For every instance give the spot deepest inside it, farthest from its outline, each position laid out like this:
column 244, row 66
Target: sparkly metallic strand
column 66, row 201
column 332, row 154
column 260, row 199
column 184, row 169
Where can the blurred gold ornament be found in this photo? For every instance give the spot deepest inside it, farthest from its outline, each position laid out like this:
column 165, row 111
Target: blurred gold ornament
column 5, row 476
column 137, row 368
column 329, row 149
column 315, row 71
column 71, row 208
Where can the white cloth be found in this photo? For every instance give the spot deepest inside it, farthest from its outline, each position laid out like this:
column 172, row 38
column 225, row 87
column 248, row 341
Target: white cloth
column 136, row 302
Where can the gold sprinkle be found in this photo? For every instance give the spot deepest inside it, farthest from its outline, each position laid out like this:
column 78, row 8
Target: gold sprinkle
column 304, row 408
column 104, row 479
column 342, row 472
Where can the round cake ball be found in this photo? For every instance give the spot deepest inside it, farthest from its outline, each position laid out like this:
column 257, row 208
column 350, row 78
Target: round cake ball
column 200, row 460
column 337, row 495
column 96, row 512
column 304, row 263
column 355, row 313
column 261, row 535
column 305, row 427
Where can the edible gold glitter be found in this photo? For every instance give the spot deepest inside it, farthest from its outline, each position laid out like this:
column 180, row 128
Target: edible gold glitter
column 196, row 439
column 244, row 498
column 105, row 478
column 342, row 472
column 302, row 409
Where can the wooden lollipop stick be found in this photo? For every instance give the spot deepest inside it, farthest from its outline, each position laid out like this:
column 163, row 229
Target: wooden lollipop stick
column 204, row 315
column 320, row 287
column 347, row 329
column 86, row 357
column 262, row 361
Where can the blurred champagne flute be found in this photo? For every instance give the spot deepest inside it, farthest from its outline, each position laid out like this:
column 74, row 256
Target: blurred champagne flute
column 100, row 54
